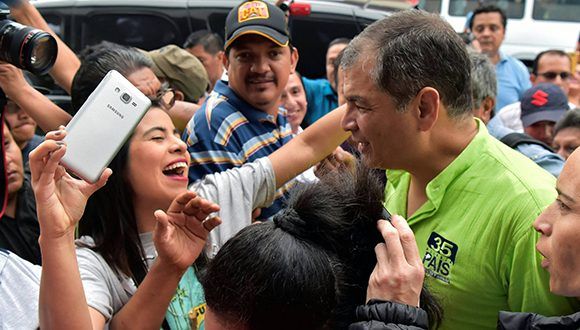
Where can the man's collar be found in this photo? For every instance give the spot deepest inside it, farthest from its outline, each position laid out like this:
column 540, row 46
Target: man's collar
column 502, row 57
column 463, row 161
column 328, row 90
column 242, row 106
column 436, row 188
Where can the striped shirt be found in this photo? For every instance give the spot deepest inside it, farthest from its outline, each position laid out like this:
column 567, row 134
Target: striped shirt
column 228, row 132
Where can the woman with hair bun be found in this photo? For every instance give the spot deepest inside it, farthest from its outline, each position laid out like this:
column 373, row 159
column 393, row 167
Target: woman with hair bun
column 310, row 267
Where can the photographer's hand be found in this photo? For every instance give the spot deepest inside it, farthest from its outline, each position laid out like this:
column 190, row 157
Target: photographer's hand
column 47, row 115
column 13, row 3
column 12, row 81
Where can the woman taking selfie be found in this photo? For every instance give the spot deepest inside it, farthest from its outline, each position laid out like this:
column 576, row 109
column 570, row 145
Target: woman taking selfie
column 126, row 242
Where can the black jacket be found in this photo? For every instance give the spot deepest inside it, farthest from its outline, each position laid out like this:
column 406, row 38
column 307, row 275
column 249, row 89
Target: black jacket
column 512, row 320
column 20, row 234
column 377, row 315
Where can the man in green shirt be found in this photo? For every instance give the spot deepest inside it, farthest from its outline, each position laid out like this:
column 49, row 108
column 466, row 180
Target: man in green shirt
column 469, row 199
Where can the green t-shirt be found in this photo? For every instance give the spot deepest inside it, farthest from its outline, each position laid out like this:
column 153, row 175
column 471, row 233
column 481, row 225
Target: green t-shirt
column 476, row 237
column 187, row 307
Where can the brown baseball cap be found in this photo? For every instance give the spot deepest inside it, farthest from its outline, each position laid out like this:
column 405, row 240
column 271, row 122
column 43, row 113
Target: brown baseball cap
column 181, row 69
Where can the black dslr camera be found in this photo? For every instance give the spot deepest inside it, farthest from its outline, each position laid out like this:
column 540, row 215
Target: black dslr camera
column 26, row 47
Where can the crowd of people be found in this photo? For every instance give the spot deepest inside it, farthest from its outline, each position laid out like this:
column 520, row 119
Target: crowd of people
column 252, row 197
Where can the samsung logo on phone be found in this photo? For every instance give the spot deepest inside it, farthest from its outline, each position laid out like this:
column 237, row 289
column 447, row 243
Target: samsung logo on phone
column 115, row 111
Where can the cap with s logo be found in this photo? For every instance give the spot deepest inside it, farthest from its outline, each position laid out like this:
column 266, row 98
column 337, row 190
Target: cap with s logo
column 257, row 17
column 543, row 102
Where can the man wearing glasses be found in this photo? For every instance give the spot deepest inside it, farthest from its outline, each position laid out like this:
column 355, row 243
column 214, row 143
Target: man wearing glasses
column 550, row 66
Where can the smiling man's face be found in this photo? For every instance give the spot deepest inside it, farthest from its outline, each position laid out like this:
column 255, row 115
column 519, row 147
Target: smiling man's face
column 258, row 70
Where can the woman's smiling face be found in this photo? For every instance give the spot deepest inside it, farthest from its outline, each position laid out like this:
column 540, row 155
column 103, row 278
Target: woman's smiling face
column 158, row 160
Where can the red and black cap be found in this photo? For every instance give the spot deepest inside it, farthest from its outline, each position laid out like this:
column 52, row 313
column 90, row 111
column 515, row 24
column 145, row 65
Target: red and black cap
column 543, row 102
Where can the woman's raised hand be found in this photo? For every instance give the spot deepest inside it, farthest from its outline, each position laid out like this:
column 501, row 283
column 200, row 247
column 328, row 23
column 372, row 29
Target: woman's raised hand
column 181, row 233
column 60, row 198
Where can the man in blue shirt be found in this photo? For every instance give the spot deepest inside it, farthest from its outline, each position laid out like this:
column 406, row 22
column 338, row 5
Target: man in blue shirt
column 484, row 89
column 240, row 121
column 550, row 66
column 488, row 25
column 321, row 94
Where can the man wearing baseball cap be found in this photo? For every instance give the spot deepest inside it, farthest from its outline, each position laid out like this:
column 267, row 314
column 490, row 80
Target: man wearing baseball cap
column 183, row 71
column 542, row 106
column 183, row 80
column 240, row 121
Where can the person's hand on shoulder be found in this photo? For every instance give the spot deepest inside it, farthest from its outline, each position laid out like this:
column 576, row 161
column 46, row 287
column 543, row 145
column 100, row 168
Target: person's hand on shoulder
column 339, row 159
column 399, row 273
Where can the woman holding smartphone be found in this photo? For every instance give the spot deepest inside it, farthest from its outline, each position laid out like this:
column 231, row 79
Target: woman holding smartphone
column 125, row 239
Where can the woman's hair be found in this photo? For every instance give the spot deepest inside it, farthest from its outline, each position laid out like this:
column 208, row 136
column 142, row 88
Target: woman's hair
column 308, row 268
column 97, row 61
column 109, row 218
column 570, row 119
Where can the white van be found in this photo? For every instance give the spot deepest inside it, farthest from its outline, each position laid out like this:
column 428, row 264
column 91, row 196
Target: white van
column 533, row 25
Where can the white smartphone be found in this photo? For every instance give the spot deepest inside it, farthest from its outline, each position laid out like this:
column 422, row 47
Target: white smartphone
column 102, row 125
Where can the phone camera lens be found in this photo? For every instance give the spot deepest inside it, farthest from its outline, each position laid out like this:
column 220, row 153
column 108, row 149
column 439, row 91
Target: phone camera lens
column 126, row 98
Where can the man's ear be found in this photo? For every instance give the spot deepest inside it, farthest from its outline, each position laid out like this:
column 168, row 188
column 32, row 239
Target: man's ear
column 488, row 105
column 179, row 96
column 533, row 78
column 225, row 61
column 221, row 55
column 427, row 104
column 294, row 56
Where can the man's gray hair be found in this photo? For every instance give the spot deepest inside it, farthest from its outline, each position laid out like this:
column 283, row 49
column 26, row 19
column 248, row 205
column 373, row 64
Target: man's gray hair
column 411, row 50
column 483, row 79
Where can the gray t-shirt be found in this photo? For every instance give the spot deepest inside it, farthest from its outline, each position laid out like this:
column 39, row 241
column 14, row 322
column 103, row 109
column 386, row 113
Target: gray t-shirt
column 238, row 191
column 19, row 285
column 107, row 290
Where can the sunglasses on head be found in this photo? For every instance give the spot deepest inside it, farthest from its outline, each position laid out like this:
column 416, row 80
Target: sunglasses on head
column 165, row 97
column 551, row 75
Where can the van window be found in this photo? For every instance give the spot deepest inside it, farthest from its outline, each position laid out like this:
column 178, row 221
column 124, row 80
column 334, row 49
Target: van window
column 556, row 10
column 142, row 31
column 512, row 8
column 432, row 6
column 55, row 23
column 217, row 23
column 314, row 33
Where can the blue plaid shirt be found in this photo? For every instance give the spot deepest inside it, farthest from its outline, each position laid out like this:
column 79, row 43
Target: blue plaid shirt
column 228, row 132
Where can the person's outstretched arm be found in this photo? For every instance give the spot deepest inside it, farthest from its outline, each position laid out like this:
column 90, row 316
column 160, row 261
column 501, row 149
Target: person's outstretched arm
column 47, row 115
column 67, row 63
column 308, row 148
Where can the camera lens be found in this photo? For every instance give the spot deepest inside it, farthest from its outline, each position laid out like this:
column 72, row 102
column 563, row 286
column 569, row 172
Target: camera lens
column 27, row 48
column 126, row 98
